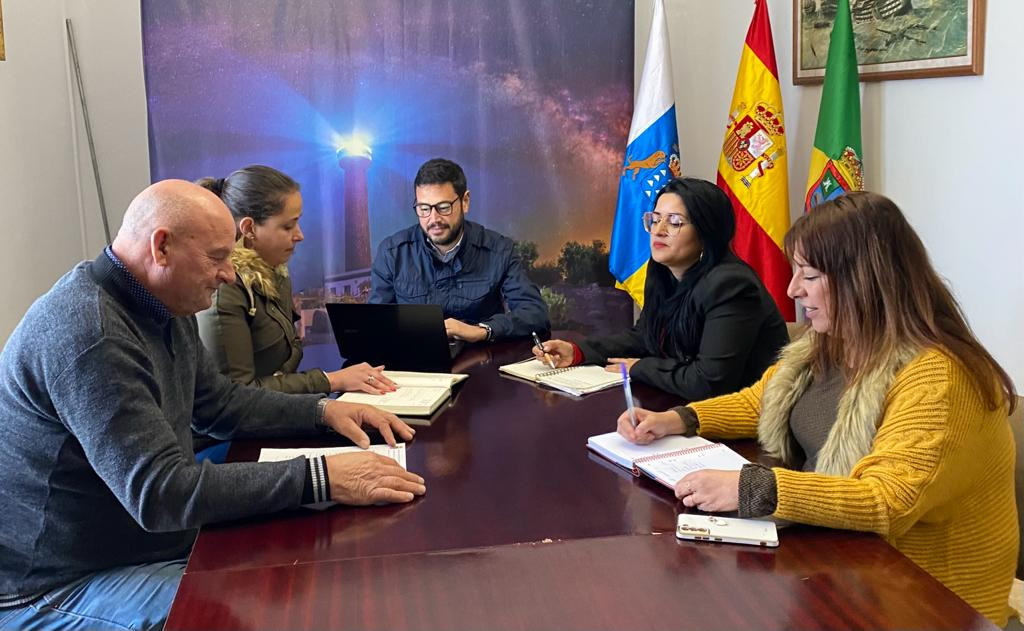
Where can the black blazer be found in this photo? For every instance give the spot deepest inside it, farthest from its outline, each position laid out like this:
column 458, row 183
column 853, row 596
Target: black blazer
column 742, row 335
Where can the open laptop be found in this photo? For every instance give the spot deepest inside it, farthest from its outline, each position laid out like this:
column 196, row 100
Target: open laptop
column 402, row 337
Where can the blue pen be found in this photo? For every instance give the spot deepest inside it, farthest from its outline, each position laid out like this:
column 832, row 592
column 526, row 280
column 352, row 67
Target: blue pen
column 629, row 395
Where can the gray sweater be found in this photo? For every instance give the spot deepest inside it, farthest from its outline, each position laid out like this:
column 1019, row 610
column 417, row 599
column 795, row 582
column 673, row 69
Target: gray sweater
column 98, row 387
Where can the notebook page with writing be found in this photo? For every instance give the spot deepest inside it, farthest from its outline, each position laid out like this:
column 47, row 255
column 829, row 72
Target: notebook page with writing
column 612, row 446
column 397, row 453
column 529, row 369
column 671, row 467
column 582, row 379
column 405, row 400
column 408, row 379
column 577, row 380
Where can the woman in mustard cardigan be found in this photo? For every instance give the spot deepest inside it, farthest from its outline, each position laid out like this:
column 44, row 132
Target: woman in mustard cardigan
column 887, row 414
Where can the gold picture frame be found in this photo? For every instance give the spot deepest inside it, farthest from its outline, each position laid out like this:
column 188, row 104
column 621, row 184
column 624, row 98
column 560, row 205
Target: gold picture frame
column 895, row 39
column 3, row 55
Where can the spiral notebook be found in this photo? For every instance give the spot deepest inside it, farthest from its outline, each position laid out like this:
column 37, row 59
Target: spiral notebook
column 668, row 459
column 577, row 380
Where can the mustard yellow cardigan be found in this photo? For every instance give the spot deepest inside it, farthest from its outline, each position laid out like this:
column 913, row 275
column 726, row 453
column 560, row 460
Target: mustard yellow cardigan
column 938, row 482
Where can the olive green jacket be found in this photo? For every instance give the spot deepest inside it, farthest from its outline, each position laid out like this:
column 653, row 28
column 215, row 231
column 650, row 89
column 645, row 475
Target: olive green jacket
column 250, row 330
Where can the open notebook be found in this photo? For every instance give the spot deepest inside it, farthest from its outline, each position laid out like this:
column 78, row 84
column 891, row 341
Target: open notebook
column 576, row 380
column 668, row 459
column 418, row 394
column 396, row 453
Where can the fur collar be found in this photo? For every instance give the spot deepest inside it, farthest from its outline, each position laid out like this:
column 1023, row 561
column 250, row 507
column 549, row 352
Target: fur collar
column 255, row 273
column 860, row 410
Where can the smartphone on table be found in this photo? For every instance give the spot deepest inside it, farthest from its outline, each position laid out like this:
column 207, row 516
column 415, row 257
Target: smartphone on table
column 751, row 532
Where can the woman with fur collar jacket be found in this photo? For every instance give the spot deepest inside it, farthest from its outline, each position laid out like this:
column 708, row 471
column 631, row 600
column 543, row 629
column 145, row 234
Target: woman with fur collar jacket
column 250, row 328
column 887, row 414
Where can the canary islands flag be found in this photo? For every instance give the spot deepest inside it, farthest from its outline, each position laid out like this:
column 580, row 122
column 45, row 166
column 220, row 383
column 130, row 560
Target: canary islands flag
column 836, row 157
column 652, row 159
column 752, row 169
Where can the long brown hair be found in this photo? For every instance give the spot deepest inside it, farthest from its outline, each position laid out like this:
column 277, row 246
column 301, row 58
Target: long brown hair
column 884, row 293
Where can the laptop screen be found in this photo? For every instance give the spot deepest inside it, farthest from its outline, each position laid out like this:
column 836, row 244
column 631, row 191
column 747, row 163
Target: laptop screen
column 401, row 337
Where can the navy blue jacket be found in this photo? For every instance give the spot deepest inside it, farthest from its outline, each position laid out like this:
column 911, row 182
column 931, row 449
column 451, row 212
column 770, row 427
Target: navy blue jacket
column 485, row 282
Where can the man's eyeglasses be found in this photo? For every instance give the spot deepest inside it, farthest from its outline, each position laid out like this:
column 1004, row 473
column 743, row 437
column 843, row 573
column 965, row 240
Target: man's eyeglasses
column 673, row 222
column 442, row 208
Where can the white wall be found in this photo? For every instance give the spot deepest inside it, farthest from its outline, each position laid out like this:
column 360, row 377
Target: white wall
column 47, row 196
column 945, row 150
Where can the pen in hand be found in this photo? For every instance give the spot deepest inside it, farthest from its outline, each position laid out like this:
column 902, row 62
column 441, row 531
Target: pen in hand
column 629, row 395
column 547, row 357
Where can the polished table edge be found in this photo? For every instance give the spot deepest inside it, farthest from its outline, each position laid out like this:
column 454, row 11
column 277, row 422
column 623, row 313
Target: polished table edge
column 574, row 583
column 438, row 551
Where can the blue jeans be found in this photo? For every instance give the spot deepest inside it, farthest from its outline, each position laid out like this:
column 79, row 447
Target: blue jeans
column 216, row 453
column 132, row 597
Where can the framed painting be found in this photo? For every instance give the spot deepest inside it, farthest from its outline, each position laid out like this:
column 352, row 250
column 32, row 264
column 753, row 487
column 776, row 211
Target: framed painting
column 895, row 39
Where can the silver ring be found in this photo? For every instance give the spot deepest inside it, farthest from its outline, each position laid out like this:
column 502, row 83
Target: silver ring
column 370, row 379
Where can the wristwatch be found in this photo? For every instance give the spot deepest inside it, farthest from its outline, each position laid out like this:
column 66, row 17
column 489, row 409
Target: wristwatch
column 486, row 327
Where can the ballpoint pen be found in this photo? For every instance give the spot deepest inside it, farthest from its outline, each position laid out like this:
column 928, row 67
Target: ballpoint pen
column 547, row 357
column 629, row 395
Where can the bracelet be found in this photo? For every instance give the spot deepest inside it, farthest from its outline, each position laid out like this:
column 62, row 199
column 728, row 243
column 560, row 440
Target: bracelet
column 321, row 412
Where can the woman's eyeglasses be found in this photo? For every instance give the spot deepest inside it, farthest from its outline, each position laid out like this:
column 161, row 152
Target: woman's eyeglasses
column 673, row 222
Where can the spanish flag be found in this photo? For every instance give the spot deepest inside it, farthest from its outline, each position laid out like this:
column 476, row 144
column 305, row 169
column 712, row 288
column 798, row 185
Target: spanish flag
column 752, row 169
column 836, row 156
column 652, row 159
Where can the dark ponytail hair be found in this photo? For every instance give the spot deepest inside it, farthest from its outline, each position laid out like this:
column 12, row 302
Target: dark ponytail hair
column 212, row 184
column 254, row 191
column 675, row 327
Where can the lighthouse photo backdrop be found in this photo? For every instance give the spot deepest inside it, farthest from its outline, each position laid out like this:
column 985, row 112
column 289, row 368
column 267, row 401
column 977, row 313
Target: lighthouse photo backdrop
column 533, row 98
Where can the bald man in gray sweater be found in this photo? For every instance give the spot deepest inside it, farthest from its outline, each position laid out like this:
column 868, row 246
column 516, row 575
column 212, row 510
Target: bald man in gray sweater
column 100, row 385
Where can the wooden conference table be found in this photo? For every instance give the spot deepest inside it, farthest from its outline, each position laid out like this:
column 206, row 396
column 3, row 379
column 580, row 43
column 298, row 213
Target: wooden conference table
column 523, row 528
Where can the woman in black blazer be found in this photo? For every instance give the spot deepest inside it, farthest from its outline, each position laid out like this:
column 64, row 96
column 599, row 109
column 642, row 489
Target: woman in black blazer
column 708, row 325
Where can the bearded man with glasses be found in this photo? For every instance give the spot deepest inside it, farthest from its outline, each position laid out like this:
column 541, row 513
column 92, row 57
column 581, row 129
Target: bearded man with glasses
column 472, row 272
